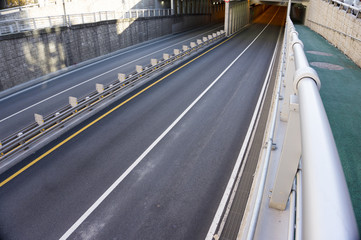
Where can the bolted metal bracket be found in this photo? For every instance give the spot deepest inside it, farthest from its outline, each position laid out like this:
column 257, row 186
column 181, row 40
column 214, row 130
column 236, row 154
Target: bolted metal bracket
column 306, row 72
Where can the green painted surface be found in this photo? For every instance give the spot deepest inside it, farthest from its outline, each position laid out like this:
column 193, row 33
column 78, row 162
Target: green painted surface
column 341, row 96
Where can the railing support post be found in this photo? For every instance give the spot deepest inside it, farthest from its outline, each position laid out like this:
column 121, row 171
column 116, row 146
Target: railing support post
column 290, row 156
column 288, row 83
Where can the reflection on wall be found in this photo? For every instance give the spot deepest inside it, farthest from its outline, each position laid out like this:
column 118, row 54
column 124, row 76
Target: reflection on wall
column 29, row 55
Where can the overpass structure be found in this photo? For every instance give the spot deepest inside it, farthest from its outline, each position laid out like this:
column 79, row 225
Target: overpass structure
column 214, row 133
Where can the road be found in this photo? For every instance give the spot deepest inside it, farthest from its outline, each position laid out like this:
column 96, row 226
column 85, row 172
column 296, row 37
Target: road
column 17, row 110
column 155, row 168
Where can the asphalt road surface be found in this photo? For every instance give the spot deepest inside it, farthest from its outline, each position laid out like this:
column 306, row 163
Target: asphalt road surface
column 155, row 168
column 17, row 110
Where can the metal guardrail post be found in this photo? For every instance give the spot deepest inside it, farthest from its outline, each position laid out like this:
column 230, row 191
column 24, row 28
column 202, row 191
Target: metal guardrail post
column 50, row 24
column 17, row 26
column 34, row 23
column 289, row 161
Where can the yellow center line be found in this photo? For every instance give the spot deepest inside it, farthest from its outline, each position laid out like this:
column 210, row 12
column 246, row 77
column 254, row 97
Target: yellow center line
column 104, row 115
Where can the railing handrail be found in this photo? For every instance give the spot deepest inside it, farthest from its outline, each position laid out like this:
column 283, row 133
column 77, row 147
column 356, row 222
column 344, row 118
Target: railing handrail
column 80, row 14
column 327, row 211
column 326, row 200
column 14, row 25
column 344, row 4
column 20, row 8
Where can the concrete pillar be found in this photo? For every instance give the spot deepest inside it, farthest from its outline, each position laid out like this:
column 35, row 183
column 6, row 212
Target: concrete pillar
column 230, row 20
column 235, row 28
column 239, row 13
column 234, row 13
column 226, row 18
column 173, row 8
column 179, row 6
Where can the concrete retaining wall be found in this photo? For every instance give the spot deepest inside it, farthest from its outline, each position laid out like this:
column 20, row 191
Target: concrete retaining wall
column 30, row 55
column 340, row 28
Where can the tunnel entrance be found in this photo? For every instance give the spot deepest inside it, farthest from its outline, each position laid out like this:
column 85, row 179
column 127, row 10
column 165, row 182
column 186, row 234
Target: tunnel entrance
column 298, row 13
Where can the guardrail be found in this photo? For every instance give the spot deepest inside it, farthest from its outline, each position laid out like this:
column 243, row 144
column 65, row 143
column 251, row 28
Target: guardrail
column 326, row 200
column 18, row 9
column 354, row 10
column 36, row 3
column 322, row 202
column 27, row 24
column 24, row 140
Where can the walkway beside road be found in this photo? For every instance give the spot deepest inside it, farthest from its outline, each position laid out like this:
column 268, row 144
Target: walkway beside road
column 340, row 93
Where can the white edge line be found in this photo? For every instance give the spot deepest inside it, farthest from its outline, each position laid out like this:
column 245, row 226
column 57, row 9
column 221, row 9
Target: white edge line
column 233, row 177
column 79, row 84
column 224, row 219
column 143, row 155
column 91, row 79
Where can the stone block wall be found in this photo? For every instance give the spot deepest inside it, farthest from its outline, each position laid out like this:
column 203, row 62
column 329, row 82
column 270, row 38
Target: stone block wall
column 30, row 55
column 336, row 25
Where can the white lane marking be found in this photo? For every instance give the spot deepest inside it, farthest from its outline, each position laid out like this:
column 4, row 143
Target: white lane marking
column 145, row 153
column 99, row 61
column 233, row 176
column 91, row 79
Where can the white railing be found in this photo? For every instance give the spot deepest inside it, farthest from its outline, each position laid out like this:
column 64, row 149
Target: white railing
column 326, row 200
column 323, row 209
column 354, row 10
column 26, row 24
column 18, row 9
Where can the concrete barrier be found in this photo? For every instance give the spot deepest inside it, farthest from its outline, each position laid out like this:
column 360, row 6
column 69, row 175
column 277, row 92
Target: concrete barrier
column 153, row 61
column 39, row 119
column 121, row 77
column 73, row 101
column 99, row 87
column 166, row 56
column 139, row 68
